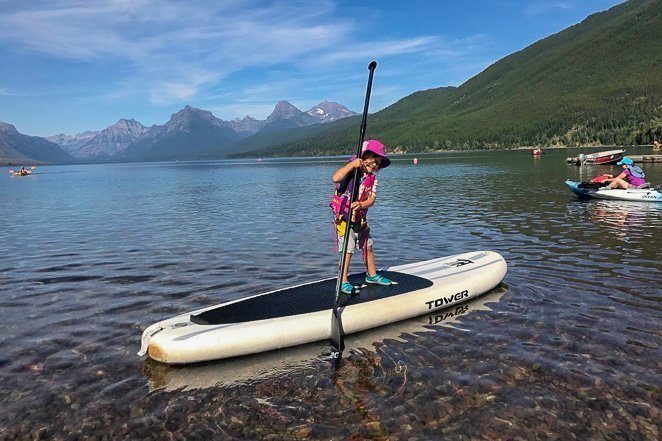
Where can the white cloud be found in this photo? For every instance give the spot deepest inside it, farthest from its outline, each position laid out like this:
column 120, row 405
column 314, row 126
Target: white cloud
column 7, row 92
column 377, row 49
column 169, row 44
column 166, row 91
column 545, row 7
column 177, row 52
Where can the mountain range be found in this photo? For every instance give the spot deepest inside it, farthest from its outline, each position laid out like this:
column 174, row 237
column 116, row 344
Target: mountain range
column 189, row 134
column 595, row 83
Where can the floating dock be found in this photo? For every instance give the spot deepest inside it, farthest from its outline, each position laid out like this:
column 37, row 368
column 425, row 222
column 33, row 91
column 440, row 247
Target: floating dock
column 646, row 158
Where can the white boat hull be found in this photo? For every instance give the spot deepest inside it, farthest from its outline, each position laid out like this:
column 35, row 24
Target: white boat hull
column 630, row 194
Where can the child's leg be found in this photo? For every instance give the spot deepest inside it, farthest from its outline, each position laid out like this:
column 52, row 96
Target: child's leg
column 348, row 258
column 372, row 277
column 370, row 262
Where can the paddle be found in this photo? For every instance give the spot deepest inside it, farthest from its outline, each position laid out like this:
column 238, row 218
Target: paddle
column 337, row 339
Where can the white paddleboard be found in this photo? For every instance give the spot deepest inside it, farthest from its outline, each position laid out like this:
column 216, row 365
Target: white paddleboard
column 302, row 314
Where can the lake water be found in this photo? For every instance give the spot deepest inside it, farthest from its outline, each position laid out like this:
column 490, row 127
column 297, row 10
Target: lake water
column 568, row 346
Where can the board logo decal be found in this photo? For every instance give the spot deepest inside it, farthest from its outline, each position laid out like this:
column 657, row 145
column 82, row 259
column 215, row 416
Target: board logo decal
column 446, row 300
column 460, row 262
column 438, row 318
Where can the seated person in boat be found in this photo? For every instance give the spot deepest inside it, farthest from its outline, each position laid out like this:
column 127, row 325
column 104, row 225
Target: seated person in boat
column 631, row 177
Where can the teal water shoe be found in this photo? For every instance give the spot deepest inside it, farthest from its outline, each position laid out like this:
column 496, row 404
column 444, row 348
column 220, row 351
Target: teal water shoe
column 379, row 280
column 347, row 288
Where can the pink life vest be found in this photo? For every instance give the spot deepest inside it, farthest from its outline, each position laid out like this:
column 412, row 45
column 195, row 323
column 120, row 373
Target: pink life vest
column 340, row 201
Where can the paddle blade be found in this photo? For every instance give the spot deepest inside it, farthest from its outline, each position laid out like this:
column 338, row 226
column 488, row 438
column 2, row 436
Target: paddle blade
column 337, row 333
column 12, row 171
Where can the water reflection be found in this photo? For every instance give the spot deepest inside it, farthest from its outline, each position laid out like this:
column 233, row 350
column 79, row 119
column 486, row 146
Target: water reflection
column 623, row 220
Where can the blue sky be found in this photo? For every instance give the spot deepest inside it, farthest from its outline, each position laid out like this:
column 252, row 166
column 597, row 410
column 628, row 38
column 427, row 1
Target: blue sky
column 67, row 66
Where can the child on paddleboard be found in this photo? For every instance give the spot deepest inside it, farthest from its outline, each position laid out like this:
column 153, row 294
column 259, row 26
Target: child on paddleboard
column 373, row 158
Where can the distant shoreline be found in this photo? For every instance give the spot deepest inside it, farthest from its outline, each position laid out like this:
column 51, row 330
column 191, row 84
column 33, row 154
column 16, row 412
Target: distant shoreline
column 396, row 153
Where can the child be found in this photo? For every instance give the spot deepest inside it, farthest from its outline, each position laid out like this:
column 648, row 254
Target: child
column 373, row 158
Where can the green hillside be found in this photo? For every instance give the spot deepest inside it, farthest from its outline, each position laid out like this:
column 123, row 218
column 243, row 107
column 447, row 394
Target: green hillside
column 597, row 82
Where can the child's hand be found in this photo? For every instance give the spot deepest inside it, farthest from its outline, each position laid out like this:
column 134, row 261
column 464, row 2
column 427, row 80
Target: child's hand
column 357, row 163
column 356, row 205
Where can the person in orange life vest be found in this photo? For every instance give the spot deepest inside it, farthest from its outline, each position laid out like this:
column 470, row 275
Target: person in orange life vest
column 373, row 158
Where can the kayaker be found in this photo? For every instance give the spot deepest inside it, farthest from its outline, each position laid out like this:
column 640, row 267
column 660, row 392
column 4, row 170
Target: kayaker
column 373, row 158
column 632, row 175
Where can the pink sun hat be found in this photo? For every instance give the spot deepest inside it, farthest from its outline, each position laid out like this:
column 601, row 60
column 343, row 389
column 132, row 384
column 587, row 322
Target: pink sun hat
column 376, row 147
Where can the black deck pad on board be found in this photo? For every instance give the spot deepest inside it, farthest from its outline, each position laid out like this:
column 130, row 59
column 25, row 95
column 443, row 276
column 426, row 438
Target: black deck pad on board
column 318, row 296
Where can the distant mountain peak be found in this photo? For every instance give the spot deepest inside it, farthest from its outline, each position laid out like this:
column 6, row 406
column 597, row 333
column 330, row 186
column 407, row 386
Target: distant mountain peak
column 126, row 121
column 188, row 116
column 284, row 110
column 286, row 116
column 245, row 118
column 7, row 128
column 328, row 111
column 17, row 147
column 247, row 126
column 189, row 110
column 127, row 124
column 284, row 103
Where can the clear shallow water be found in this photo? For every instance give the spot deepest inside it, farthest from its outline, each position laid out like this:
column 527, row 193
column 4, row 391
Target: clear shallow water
column 568, row 347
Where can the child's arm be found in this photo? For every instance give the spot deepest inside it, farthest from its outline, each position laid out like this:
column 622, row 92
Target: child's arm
column 365, row 204
column 342, row 172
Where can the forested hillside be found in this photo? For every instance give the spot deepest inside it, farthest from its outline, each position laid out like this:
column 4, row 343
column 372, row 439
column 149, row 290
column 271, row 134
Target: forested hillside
column 597, row 82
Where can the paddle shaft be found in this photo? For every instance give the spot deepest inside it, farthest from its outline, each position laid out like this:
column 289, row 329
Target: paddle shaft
column 336, row 324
